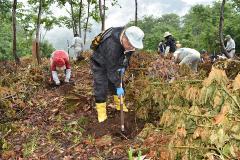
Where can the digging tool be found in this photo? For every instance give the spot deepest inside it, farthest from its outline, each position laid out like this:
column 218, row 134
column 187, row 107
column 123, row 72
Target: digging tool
column 121, row 103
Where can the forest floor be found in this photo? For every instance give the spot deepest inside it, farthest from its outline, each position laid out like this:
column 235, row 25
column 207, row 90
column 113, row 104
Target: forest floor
column 49, row 122
column 166, row 120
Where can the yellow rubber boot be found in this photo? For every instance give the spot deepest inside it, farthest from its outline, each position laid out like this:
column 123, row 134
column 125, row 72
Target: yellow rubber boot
column 117, row 103
column 101, row 110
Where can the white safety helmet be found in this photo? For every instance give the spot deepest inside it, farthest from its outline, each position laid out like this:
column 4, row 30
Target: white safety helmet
column 228, row 36
column 167, row 34
column 135, row 36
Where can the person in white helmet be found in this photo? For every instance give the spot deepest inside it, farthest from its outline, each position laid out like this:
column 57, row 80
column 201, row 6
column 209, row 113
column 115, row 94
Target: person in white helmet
column 78, row 47
column 109, row 60
column 230, row 47
column 188, row 56
column 169, row 43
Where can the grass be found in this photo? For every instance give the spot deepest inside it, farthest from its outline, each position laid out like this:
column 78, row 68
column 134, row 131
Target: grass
column 30, row 146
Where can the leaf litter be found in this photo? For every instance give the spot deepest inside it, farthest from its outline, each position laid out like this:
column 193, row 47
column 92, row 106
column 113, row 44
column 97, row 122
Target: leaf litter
column 175, row 114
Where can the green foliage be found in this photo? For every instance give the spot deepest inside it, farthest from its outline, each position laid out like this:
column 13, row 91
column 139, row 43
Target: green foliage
column 46, row 49
column 31, row 145
column 153, row 34
column 197, row 29
column 26, row 20
column 23, row 40
column 5, row 9
column 130, row 154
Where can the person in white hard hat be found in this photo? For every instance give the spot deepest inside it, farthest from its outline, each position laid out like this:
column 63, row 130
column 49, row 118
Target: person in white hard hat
column 230, row 47
column 188, row 56
column 109, row 62
column 169, row 43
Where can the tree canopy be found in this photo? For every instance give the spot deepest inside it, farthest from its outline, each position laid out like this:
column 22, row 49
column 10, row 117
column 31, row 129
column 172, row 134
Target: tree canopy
column 197, row 29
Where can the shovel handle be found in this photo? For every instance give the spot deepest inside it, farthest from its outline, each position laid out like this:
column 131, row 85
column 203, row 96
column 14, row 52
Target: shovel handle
column 121, row 114
column 121, row 105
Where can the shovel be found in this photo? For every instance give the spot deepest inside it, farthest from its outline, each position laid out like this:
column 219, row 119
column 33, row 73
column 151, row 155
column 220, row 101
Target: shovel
column 121, row 104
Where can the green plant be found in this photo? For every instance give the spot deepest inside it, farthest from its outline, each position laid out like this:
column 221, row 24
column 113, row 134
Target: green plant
column 130, row 154
column 30, row 146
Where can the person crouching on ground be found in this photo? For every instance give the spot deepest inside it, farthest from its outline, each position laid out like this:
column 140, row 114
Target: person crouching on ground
column 60, row 61
column 111, row 57
column 188, row 56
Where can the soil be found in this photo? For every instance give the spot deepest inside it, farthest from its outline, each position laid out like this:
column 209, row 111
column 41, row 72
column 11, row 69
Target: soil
column 112, row 126
column 60, row 133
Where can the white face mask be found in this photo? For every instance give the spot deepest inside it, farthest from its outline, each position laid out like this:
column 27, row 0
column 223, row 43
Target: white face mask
column 61, row 68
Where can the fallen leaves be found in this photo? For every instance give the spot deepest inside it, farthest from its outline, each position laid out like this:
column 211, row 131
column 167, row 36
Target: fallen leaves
column 217, row 75
column 236, row 83
column 220, row 117
column 106, row 140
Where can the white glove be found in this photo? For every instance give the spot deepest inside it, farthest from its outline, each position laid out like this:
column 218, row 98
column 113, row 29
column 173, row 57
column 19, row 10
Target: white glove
column 167, row 51
column 55, row 77
column 66, row 80
column 68, row 74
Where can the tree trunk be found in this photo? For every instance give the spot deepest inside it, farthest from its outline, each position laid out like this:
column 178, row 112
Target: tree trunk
column 136, row 12
column 17, row 60
column 74, row 25
column 103, row 21
column 221, row 29
column 102, row 13
column 86, row 25
column 38, row 32
column 79, row 18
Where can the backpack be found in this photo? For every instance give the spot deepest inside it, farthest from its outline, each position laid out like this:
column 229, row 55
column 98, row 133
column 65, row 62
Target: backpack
column 100, row 38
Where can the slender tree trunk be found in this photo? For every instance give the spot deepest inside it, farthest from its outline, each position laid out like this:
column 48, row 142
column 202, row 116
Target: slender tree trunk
column 221, row 29
column 104, row 9
column 136, row 13
column 86, row 25
column 17, row 60
column 38, row 32
column 102, row 13
column 79, row 18
column 74, row 25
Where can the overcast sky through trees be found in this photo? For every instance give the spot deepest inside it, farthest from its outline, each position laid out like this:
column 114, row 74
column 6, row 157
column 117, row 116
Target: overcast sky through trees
column 119, row 16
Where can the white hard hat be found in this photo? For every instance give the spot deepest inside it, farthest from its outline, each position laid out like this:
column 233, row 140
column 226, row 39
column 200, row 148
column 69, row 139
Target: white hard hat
column 228, row 36
column 167, row 34
column 135, row 36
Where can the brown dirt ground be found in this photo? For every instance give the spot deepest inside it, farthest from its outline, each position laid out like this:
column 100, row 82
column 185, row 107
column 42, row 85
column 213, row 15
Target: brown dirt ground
column 46, row 119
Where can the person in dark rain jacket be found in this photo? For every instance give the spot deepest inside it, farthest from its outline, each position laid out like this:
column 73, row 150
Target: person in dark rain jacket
column 169, row 43
column 109, row 62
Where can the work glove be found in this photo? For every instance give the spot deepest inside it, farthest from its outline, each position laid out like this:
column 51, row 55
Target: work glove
column 122, row 71
column 120, row 91
column 68, row 74
column 66, row 80
column 57, row 83
column 55, row 78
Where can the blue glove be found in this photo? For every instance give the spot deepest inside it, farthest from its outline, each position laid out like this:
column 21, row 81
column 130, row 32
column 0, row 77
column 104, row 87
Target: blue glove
column 121, row 70
column 120, row 91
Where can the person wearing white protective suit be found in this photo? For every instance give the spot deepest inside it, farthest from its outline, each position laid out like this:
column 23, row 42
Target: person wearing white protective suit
column 188, row 56
column 230, row 47
column 78, row 47
column 60, row 61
